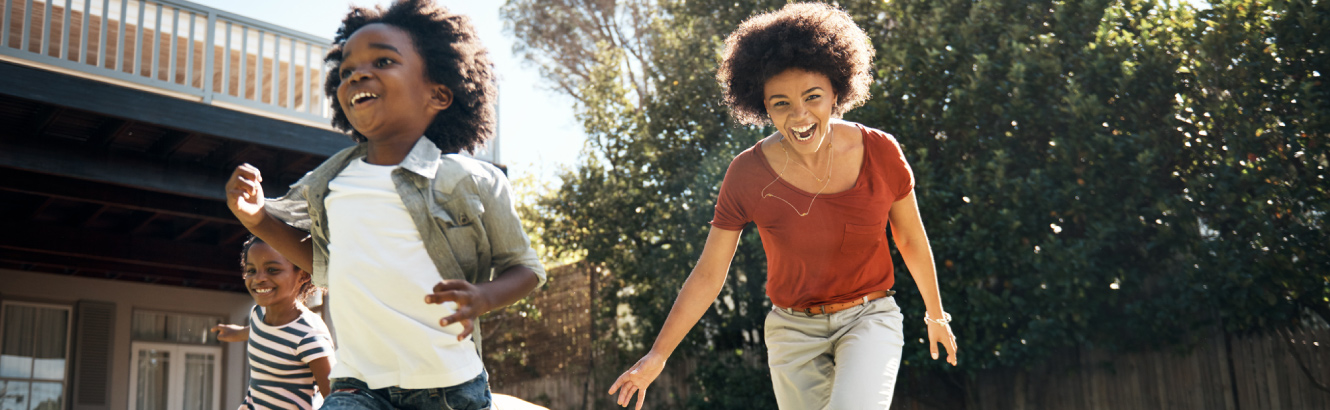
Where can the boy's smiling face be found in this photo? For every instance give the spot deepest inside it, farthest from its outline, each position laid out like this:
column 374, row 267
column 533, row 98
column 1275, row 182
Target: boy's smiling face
column 385, row 92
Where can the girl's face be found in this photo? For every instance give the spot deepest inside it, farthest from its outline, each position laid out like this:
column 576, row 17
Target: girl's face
column 800, row 104
column 384, row 90
column 270, row 278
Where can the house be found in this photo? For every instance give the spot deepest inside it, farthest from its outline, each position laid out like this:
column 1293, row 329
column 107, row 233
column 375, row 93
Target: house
column 119, row 122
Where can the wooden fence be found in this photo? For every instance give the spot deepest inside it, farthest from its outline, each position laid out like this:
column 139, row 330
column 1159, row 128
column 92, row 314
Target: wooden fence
column 1225, row 372
column 549, row 361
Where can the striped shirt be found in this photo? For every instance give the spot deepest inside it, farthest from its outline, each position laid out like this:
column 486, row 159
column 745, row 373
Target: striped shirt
column 279, row 356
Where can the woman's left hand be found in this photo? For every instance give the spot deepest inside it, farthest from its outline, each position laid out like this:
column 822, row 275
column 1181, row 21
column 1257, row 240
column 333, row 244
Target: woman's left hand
column 941, row 333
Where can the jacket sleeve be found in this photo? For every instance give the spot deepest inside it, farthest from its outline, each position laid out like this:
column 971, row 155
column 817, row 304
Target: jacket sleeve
column 508, row 241
column 291, row 208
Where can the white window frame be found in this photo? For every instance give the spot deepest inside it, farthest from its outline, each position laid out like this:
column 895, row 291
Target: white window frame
column 69, row 343
column 176, row 376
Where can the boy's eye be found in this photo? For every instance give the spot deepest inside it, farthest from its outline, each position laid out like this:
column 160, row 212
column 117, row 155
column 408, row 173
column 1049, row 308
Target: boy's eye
column 383, row 62
column 344, row 73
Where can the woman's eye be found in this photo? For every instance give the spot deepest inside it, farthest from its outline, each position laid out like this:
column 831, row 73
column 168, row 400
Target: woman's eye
column 780, row 104
column 274, row 271
column 812, row 97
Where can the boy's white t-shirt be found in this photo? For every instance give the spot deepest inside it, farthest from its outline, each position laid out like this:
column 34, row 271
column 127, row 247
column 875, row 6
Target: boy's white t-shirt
column 378, row 276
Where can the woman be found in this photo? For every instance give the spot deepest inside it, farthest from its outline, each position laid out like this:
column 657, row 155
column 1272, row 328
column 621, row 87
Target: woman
column 822, row 192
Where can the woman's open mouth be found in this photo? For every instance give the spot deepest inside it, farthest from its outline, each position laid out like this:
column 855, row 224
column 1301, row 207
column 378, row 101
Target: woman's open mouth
column 804, row 133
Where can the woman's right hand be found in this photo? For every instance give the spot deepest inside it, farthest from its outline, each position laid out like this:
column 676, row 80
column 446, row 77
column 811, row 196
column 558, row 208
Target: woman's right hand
column 637, row 378
column 231, row 333
column 244, row 195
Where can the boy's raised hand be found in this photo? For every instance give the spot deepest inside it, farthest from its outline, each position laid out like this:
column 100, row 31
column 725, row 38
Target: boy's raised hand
column 244, row 195
column 471, row 303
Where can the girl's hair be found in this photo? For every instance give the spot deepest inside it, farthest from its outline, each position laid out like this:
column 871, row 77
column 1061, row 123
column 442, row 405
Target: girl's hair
column 813, row 37
column 453, row 57
column 306, row 289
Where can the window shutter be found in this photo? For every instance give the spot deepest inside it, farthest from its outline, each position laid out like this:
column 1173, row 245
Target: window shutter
column 94, row 327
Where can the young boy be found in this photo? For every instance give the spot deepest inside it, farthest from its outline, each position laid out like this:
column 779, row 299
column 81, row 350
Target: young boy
column 387, row 218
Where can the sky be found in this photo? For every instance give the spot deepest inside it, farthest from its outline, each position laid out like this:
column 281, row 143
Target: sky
column 537, row 130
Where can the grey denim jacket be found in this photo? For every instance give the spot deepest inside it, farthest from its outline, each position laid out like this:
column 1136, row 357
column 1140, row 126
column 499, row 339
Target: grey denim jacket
column 462, row 207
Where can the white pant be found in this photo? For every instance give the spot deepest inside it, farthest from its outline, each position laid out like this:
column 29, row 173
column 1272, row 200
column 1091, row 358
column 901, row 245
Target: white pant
column 842, row 361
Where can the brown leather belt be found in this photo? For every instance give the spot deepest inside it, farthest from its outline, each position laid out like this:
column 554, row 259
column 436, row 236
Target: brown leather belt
column 836, row 307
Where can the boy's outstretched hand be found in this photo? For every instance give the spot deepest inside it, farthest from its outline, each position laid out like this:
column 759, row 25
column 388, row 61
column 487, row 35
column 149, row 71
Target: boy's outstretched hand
column 471, row 303
column 244, row 195
column 231, row 333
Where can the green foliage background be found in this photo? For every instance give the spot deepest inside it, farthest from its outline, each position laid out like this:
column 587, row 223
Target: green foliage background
column 1092, row 174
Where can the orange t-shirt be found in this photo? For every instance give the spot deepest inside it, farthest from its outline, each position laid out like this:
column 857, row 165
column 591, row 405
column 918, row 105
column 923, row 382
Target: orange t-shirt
column 839, row 251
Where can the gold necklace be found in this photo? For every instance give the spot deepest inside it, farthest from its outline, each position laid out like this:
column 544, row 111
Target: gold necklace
column 782, row 174
column 806, row 168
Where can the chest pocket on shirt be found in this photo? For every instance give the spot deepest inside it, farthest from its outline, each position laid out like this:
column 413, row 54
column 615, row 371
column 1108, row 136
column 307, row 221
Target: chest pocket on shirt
column 459, row 218
column 462, row 210
column 860, row 238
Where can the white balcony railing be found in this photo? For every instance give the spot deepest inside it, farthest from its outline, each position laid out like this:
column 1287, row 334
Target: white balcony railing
column 177, row 47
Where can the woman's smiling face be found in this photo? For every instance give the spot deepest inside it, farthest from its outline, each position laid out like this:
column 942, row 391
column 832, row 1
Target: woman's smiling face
column 384, row 90
column 800, row 104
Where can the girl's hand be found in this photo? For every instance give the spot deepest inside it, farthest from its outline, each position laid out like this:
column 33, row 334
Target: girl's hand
column 941, row 333
column 471, row 303
column 231, row 333
column 244, row 195
column 637, row 378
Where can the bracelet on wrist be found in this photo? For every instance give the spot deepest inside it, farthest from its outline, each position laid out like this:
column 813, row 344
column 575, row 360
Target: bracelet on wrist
column 946, row 318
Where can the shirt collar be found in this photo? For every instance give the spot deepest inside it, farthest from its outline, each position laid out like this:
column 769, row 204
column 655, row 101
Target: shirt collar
column 424, row 158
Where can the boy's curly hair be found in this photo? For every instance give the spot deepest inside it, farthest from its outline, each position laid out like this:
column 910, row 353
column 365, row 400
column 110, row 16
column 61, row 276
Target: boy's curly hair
column 453, row 57
column 306, row 290
column 810, row 36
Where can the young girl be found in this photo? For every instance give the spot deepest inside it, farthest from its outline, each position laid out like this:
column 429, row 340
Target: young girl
column 290, row 349
column 413, row 240
column 822, row 193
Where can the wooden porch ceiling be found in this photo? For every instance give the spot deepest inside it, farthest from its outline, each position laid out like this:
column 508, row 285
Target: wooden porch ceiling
column 97, row 193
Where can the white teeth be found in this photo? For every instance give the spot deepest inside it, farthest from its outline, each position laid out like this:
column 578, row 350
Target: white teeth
column 804, row 128
column 262, row 290
column 355, row 99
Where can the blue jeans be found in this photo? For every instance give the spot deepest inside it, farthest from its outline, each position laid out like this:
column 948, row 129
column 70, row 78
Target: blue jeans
column 352, row 394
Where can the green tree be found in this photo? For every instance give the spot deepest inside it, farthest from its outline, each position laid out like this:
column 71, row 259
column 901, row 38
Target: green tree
column 1255, row 120
column 1042, row 137
column 642, row 75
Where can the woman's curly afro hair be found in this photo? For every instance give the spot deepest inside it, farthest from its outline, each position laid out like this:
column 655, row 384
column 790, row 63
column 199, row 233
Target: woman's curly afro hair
column 813, row 37
column 453, row 57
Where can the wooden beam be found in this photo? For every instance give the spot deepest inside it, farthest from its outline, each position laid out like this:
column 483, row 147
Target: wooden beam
column 45, row 204
column 117, row 196
column 191, row 230
column 235, row 237
column 109, row 132
column 100, row 210
column 171, row 143
column 121, row 248
column 117, row 168
column 118, row 270
column 144, row 225
column 43, row 121
column 95, row 96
